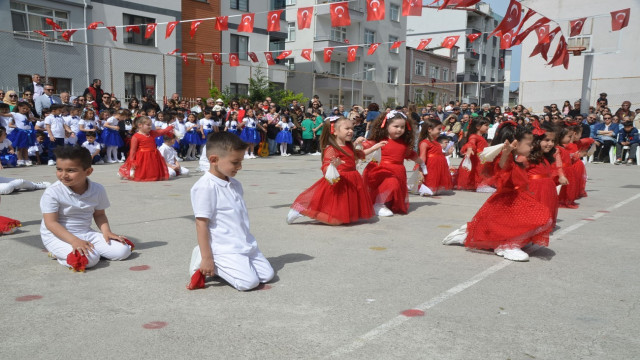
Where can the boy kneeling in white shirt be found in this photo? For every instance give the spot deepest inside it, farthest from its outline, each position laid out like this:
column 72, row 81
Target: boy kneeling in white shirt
column 225, row 246
column 170, row 156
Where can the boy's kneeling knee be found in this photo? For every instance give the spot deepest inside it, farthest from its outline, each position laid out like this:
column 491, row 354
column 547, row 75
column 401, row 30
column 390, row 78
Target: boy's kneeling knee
column 247, row 284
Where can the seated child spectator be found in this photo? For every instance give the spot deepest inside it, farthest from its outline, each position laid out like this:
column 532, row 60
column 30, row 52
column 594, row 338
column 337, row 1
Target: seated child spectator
column 94, row 148
column 170, row 156
column 225, row 246
column 36, row 151
column 627, row 136
column 68, row 207
column 8, row 159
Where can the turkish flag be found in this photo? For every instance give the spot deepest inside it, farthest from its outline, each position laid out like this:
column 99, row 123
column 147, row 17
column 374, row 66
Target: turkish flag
column 501, row 63
column 41, row 33
column 194, row 27
column 411, row 7
column 222, row 23
column 67, row 34
column 217, row 58
column 253, row 56
column 375, row 10
column 174, row 51
column 185, row 59
column 450, row 41
column 549, row 38
column 151, row 28
column 576, row 26
column 352, row 51
column 561, row 52
column 372, row 48
column 269, row 57
column 273, row 20
column 423, row 43
column 340, row 14
column 246, row 23
column 134, row 28
column 114, row 32
column 53, row 24
column 304, row 17
column 466, row 3
column 233, row 60
column 536, row 25
column 543, row 32
column 544, row 41
column 284, row 54
column 473, row 37
column 506, row 39
column 396, row 44
column 94, row 25
column 327, row 54
column 511, row 18
column 170, row 27
column 527, row 16
column 201, row 56
column 306, row 54
column 620, row 19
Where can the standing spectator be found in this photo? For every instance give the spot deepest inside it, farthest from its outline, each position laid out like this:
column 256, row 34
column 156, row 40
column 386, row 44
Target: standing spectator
column 603, row 99
column 566, row 107
column 625, row 110
column 199, row 108
column 27, row 96
column 273, row 118
column 47, row 99
column 35, row 87
column 175, row 97
column 576, row 109
column 373, row 111
column 150, row 104
column 96, row 91
column 440, row 114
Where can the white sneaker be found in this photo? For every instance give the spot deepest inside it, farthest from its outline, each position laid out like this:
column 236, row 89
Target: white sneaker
column 21, row 163
column 316, row 153
column 100, row 162
column 512, row 254
column 51, row 163
column 292, row 216
column 121, row 160
column 42, row 185
column 247, row 156
column 111, row 161
column 382, row 210
column 252, row 156
column 457, row 237
column 423, row 190
column 29, row 163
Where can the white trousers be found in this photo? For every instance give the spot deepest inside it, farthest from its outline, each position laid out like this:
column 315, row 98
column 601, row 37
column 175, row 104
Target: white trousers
column 9, row 185
column 114, row 251
column 183, row 171
column 242, row 271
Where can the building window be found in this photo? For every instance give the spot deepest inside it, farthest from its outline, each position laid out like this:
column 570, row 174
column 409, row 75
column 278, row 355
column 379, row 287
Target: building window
column 334, row 100
column 239, row 45
column 394, row 11
column 338, row 34
column 418, row 95
column 135, row 38
column 242, row 5
column 420, row 67
column 369, row 36
column 29, row 18
column 393, row 39
column 433, row 72
column 431, row 97
column 137, row 85
column 291, row 66
column 367, row 100
column 276, row 46
column 290, row 2
column 291, row 31
column 445, row 74
column 369, row 74
column 392, row 75
column 277, row 5
column 239, row 89
column 338, row 68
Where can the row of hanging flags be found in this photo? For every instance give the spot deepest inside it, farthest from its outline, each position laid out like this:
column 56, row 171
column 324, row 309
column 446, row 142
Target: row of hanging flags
column 509, row 30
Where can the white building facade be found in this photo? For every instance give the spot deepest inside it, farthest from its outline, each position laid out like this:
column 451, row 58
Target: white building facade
column 370, row 78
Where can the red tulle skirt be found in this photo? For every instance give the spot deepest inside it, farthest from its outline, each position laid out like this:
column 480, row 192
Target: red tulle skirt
column 544, row 190
column 438, row 175
column 470, row 179
column 568, row 193
column 387, row 184
column 343, row 202
column 511, row 219
column 8, row 225
column 581, row 179
column 147, row 166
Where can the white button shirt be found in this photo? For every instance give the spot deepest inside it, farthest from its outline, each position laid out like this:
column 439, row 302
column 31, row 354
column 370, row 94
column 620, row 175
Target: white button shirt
column 57, row 125
column 221, row 202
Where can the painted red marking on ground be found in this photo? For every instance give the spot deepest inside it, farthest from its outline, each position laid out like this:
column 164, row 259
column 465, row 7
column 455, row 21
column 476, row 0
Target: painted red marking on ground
column 155, row 325
column 272, row 192
column 587, row 219
column 436, row 197
column 140, row 268
column 45, row 250
column 604, row 211
column 255, row 185
column 412, row 313
column 29, row 298
column 124, row 182
column 263, row 287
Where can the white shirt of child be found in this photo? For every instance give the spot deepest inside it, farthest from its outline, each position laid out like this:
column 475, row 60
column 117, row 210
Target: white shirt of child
column 36, row 149
column 112, row 121
column 221, row 202
column 87, row 124
column 73, row 122
column 75, row 212
column 21, row 121
column 40, row 124
column 157, row 124
column 5, row 144
column 4, row 121
column 92, row 147
column 57, row 125
column 231, row 125
column 189, row 126
column 285, row 125
column 207, row 124
column 249, row 122
column 168, row 153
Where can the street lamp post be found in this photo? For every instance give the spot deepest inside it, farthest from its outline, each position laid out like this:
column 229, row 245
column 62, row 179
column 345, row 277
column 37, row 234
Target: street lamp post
column 353, row 77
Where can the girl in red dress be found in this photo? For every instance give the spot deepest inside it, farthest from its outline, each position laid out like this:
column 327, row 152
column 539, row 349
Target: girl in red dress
column 346, row 200
column 541, row 168
column 471, row 179
column 582, row 146
column 564, row 150
column 438, row 177
column 145, row 163
column 511, row 218
column 387, row 181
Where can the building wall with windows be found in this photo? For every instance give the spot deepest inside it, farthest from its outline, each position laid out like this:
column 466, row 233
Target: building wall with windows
column 342, row 82
column 430, row 78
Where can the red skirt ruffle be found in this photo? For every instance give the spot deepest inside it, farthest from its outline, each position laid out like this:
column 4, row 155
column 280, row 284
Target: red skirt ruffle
column 387, row 184
column 470, row 179
column 511, row 219
column 148, row 166
column 544, row 190
column 581, row 179
column 568, row 193
column 343, row 202
column 8, row 225
column 438, row 175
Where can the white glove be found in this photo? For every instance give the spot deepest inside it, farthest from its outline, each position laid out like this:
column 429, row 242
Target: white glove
column 423, row 168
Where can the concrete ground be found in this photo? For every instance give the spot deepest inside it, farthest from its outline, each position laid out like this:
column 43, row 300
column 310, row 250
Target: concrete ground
column 384, row 289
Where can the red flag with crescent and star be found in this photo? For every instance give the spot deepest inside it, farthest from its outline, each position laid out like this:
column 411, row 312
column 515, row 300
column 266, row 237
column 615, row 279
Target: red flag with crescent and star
column 273, row 20
column 340, row 14
column 253, row 56
column 284, row 54
column 411, row 7
column 201, row 56
column 194, row 27
column 536, row 25
column 222, row 23
column 170, row 27
column 473, row 37
column 269, row 56
column 375, row 10
column 53, row 24
column 396, row 44
column 246, row 23
column 506, row 39
column 423, row 44
column 151, row 28
column 217, row 59
column 233, row 60
column 304, row 17
column 114, row 32
column 620, row 19
column 372, row 48
column 450, row 41
column 576, row 26
column 94, row 25
column 67, row 34
column 134, row 28
column 511, row 18
column 352, row 51
column 306, row 54
column 544, row 41
column 327, row 54
column 561, row 57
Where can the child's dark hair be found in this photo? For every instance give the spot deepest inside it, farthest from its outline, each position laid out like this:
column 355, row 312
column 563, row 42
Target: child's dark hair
column 475, row 125
column 22, row 103
column 40, row 133
column 509, row 130
column 442, row 138
column 329, row 139
column 4, row 107
column 223, row 142
column 561, row 132
column 536, row 156
column 429, row 124
column 3, row 131
column 90, row 134
column 168, row 137
column 44, row 113
column 75, row 153
column 56, row 107
column 379, row 127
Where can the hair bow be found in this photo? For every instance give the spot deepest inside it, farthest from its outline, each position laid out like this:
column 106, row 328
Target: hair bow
column 570, row 123
column 332, row 120
column 393, row 114
column 508, row 122
column 537, row 130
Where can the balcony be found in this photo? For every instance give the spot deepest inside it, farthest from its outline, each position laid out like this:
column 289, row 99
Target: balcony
column 356, row 10
column 340, row 48
column 470, row 55
column 333, row 82
column 468, row 76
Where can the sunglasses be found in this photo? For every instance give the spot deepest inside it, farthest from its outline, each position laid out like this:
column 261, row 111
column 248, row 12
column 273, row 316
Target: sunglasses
column 48, row 89
column 26, row 94
column 15, row 96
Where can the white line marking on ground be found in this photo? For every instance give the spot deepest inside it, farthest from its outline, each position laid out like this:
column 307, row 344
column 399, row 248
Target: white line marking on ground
column 400, row 319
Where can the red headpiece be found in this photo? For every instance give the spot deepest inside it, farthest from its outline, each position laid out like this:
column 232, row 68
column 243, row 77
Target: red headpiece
column 508, row 122
column 332, row 120
column 537, row 130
